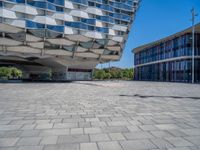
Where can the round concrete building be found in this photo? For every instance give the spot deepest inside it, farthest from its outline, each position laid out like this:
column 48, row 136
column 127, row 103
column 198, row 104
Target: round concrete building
column 67, row 37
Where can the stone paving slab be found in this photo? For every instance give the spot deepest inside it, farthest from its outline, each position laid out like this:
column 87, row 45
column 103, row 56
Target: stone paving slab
column 100, row 115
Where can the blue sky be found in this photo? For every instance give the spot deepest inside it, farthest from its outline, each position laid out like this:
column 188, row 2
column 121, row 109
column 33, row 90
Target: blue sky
column 156, row 19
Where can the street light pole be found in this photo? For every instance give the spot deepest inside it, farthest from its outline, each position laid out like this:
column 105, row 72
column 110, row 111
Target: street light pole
column 193, row 53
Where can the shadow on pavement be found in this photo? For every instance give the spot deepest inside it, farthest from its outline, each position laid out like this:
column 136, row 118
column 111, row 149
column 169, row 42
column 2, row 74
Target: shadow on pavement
column 148, row 96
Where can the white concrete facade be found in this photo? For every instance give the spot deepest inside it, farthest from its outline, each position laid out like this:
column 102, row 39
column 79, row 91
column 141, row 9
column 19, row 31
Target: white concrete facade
column 71, row 34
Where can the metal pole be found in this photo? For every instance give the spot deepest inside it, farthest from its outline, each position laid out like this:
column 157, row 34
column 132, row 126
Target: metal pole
column 193, row 53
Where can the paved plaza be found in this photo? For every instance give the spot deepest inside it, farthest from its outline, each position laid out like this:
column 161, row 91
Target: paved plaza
column 100, row 115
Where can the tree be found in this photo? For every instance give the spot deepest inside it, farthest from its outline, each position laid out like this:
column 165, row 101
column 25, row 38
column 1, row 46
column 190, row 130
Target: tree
column 113, row 73
column 5, row 72
column 107, row 76
column 15, row 73
column 99, row 74
column 10, row 72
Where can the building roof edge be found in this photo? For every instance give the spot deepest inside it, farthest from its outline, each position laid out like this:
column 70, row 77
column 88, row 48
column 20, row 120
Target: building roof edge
column 140, row 48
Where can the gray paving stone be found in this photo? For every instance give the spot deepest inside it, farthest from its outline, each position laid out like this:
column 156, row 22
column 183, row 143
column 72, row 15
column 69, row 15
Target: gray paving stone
column 179, row 141
column 92, row 119
column 133, row 128
column 62, row 147
column 6, row 142
column 12, row 133
column 88, row 146
column 29, row 133
column 98, row 124
column 99, row 137
column 8, row 148
column 109, row 146
column 30, row 148
column 116, row 136
column 165, row 121
column 147, row 121
column 57, row 120
column 44, row 126
column 194, row 139
column 118, row 123
column 65, row 125
column 180, row 148
column 52, row 132
column 9, row 127
column 73, row 139
column 94, row 130
column 45, row 121
column 195, row 148
column 161, row 143
column 138, row 135
column 4, row 122
column 167, row 126
column 114, row 129
column 161, row 134
column 21, row 122
column 73, row 120
column 148, row 127
column 49, row 140
column 28, row 127
column 76, row 131
column 137, row 145
column 84, row 124
column 29, row 141
column 58, row 113
column 191, row 132
column 177, row 133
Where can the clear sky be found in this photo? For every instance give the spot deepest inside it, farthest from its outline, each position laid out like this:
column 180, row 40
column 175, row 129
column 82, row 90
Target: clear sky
column 156, row 19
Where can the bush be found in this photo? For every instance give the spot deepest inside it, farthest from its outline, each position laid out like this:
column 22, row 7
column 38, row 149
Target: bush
column 15, row 73
column 113, row 73
column 5, row 72
column 99, row 74
column 10, row 72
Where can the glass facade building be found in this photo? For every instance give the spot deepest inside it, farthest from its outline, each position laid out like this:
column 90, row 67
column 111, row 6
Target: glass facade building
column 169, row 59
column 93, row 31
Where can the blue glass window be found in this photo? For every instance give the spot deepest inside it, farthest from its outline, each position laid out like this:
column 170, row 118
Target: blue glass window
column 88, row 21
column 31, row 24
column 105, row 19
column 80, row 1
column 54, row 8
column 58, row 2
column 37, row 4
column 56, row 28
column 17, row 1
column 100, row 29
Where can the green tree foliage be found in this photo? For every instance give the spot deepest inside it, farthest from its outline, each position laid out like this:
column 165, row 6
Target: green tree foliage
column 113, row 73
column 5, row 72
column 10, row 72
column 99, row 74
column 15, row 73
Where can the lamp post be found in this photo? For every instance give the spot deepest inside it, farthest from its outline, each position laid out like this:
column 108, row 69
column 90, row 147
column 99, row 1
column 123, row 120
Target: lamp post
column 193, row 53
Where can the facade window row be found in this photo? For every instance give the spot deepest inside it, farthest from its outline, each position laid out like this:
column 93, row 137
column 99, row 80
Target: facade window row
column 175, row 71
column 105, row 4
column 115, row 16
column 177, row 47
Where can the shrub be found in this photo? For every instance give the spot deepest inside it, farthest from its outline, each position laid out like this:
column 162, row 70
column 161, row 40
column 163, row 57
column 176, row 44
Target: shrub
column 10, row 72
column 113, row 73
